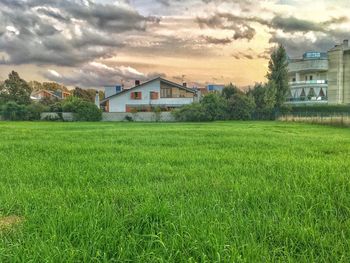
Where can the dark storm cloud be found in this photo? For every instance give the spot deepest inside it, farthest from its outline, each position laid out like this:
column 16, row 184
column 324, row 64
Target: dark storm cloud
column 45, row 31
column 292, row 24
column 217, row 41
column 239, row 24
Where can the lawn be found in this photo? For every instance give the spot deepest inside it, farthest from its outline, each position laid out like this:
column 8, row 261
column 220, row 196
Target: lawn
column 135, row 192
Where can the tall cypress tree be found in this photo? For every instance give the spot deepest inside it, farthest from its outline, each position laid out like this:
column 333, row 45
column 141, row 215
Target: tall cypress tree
column 278, row 73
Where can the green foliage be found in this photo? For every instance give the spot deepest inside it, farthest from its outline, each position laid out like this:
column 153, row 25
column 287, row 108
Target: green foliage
column 193, row 112
column 240, row 107
column 264, row 96
column 56, row 107
column 34, row 111
column 87, row 111
column 214, row 106
column 16, row 112
column 85, row 94
column 278, row 73
column 15, row 89
column 13, row 111
column 229, row 91
column 198, row 192
column 319, row 110
column 84, row 110
column 157, row 113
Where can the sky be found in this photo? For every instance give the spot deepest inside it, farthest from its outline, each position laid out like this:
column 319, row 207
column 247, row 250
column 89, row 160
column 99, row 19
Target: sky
column 92, row 44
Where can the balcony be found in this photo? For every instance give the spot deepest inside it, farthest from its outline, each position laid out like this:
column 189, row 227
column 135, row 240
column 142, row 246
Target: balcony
column 318, row 65
column 308, row 82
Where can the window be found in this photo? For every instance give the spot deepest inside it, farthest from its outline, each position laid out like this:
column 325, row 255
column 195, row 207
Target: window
column 136, row 95
column 310, row 77
column 165, row 93
column 294, row 79
column 154, row 95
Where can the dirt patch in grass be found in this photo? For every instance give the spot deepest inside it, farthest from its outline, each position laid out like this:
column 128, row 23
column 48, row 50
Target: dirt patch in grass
column 8, row 222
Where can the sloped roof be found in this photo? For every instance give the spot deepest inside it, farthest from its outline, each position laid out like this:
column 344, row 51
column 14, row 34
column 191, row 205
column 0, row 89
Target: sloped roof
column 147, row 82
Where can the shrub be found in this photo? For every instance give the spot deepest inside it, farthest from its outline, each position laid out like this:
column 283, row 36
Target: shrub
column 157, row 113
column 87, row 111
column 84, row 110
column 192, row 112
column 56, row 107
column 241, row 107
column 214, row 107
column 34, row 111
column 13, row 111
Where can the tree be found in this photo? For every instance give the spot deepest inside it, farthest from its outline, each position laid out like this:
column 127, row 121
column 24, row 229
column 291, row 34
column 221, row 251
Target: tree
column 214, row 106
column 278, row 73
column 15, row 89
column 229, row 91
column 265, row 99
column 87, row 95
column 240, row 107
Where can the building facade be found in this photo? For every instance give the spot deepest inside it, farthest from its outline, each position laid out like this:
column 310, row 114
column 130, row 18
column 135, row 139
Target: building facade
column 152, row 94
column 321, row 77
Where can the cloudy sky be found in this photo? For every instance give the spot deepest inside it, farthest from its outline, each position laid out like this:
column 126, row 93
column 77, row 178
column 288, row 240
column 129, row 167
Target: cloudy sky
column 93, row 43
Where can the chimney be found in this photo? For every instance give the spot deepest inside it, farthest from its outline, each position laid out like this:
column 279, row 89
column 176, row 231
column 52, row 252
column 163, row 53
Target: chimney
column 137, row 83
column 184, row 84
column 346, row 43
column 97, row 99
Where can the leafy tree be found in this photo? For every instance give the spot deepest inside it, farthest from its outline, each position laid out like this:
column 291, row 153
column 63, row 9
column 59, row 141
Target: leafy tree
column 229, row 91
column 84, row 110
column 265, row 99
column 240, row 107
column 15, row 89
column 84, row 94
column 278, row 73
column 53, row 86
column 214, row 106
column 34, row 111
column 13, row 111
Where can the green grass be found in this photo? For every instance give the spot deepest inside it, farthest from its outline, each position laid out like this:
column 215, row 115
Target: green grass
column 215, row 192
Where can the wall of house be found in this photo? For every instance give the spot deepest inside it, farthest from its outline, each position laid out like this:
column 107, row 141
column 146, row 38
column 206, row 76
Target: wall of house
column 119, row 103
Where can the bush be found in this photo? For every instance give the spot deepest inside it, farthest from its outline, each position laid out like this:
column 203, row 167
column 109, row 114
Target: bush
column 214, row 107
column 34, row 111
column 192, row 112
column 13, row 111
column 87, row 111
column 84, row 110
column 241, row 107
column 56, row 107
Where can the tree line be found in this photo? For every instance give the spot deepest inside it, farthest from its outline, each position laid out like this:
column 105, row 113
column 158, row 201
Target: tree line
column 16, row 102
column 263, row 101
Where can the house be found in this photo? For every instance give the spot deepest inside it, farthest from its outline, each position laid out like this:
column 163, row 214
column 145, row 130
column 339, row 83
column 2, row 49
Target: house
column 41, row 94
column 144, row 97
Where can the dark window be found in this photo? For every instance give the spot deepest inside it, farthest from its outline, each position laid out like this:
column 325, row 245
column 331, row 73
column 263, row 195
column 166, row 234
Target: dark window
column 136, row 95
column 310, row 77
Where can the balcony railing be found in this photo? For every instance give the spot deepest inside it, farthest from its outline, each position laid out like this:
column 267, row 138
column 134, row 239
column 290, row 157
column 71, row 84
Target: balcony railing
column 308, row 82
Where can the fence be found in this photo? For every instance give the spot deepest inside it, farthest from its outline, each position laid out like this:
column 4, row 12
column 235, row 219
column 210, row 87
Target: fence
column 334, row 119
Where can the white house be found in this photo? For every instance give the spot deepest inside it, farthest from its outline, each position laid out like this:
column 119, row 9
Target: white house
column 155, row 93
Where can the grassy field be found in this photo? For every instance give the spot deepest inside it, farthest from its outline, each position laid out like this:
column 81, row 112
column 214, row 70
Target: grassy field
column 133, row 192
